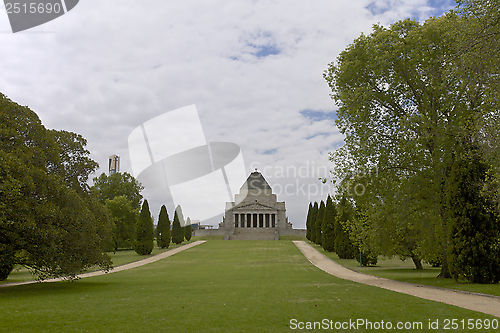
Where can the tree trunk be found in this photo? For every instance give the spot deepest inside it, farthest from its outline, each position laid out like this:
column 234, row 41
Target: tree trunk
column 445, row 273
column 417, row 262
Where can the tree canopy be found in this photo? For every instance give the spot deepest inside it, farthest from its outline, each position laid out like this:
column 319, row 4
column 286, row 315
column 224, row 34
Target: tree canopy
column 49, row 221
column 412, row 98
column 120, row 183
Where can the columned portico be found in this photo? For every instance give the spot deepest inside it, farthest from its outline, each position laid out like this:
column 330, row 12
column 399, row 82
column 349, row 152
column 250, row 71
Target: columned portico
column 256, row 220
column 255, row 213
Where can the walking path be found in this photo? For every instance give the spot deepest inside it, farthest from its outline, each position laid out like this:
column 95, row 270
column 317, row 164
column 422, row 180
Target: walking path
column 486, row 304
column 120, row 268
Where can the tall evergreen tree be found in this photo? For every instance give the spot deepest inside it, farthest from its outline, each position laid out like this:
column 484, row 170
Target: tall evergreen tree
column 343, row 245
column 314, row 214
column 308, row 222
column 163, row 229
column 177, row 231
column 144, row 231
column 328, row 226
column 474, row 251
column 188, row 232
column 319, row 222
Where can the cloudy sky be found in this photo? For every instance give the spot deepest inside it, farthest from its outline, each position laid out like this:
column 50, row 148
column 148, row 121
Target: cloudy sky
column 252, row 68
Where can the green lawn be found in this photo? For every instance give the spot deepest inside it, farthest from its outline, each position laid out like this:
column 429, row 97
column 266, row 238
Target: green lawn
column 405, row 271
column 20, row 274
column 218, row 286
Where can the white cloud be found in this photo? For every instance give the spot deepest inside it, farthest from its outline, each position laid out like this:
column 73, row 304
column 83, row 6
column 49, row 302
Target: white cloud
column 108, row 66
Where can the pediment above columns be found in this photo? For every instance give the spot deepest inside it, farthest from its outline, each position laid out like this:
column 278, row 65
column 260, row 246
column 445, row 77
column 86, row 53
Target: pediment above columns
column 252, row 206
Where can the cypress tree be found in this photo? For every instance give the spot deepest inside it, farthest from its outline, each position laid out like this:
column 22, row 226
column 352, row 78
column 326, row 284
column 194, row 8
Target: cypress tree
column 314, row 213
column 308, row 222
column 474, row 251
column 177, row 231
column 188, row 232
column 144, row 231
column 319, row 222
column 163, row 229
column 328, row 226
column 343, row 245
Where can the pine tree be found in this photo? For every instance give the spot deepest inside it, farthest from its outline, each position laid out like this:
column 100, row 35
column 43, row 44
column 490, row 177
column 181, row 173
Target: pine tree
column 343, row 245
column 188, row 232
column 144, row 231
column 328, row 226
column 308, row 222
column 314, row 213
column 319, row 222
column 177, row 231
column 474, row 252
column 163, row 229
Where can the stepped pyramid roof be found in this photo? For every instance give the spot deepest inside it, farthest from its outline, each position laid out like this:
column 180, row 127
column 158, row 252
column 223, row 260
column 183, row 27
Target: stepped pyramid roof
column 256, row 182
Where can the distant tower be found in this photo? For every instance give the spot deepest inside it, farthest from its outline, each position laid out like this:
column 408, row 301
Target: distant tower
column 114, row 164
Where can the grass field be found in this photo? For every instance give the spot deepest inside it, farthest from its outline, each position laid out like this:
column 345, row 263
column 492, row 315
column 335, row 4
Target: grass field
column 20, row 274
column 405, row 271
column 218, row 286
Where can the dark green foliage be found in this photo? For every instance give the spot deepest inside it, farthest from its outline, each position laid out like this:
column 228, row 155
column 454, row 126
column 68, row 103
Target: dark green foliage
column 48, row 217
column 328, row 226
column 314, row 214
column 343, row 245
column 308, row 222
column 474, row 251
column 188, row 231
column 120, row 183
column 319, row 222
column 125, row 220
column 163, row 229
column 367, row 259
column 144, row 232
column 177, row 231
column 6, row 261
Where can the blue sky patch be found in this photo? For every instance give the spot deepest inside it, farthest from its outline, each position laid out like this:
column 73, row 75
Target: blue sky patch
column 439, row 7
column 319, row 115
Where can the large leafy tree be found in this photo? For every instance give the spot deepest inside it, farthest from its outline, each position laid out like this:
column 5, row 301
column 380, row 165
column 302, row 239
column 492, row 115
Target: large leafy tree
column 406, row 94
column 124, row 218
column 163, row 229
column 49, row 221
column 144, row 241
column 120, row 183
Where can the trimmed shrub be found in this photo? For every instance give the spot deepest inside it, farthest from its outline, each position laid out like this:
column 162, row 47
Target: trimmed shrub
column 474, row 251
column 319, row 222
column 188, row 231
column 177, row 231
column 343, row 245
column 163, row 229
column 145, row 231
column 328, row 226
column 308, row 222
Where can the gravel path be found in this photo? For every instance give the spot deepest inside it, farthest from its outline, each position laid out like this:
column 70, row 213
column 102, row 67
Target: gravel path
column 134, row 264
column 476, row 302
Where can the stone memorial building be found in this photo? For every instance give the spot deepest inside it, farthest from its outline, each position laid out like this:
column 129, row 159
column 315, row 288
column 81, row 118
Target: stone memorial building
column 256, row 213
